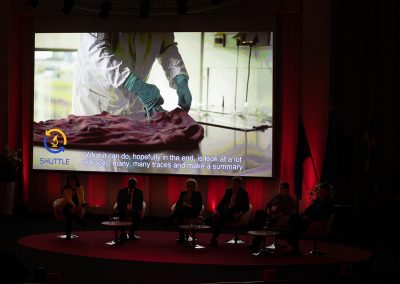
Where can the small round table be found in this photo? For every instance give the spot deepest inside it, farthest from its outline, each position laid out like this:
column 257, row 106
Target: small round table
column 117, row 225
column 193, row 229
column 263, row 234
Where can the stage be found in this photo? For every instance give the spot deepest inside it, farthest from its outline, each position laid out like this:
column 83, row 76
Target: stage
column 161, row 247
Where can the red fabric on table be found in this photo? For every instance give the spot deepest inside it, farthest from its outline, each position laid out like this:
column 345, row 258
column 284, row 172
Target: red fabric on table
column 164, row 131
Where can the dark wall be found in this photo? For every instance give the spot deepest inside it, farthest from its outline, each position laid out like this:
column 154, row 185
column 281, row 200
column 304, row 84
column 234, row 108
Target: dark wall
column 4, row 57
column 365, row 86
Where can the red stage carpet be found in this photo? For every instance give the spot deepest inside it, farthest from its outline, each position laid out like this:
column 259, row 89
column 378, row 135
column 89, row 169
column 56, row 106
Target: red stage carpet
column 157, row 246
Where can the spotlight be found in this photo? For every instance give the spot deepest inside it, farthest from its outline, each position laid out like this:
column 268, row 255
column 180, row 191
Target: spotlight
column 105, row 8
column 67, row 7
column 182, row 6
column 34, row 3
column 216, row 2
column 144, row 9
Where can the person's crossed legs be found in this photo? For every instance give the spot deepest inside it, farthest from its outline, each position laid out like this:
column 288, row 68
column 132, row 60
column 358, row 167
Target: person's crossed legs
column 218, row 222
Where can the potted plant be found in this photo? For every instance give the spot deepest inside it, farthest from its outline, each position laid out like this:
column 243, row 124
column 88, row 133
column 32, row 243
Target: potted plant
column 10, row 164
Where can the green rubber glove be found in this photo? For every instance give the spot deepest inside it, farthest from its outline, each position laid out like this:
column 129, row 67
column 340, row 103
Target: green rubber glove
column 182, row 89
column 148, row 94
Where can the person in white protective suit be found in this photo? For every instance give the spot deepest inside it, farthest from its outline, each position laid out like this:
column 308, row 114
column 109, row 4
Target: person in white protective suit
column 112, row 69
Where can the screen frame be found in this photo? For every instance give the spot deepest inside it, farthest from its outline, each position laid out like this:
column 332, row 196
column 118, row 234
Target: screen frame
column 192, row 23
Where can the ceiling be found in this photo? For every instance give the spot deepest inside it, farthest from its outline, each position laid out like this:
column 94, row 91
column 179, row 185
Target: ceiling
column 126, row 7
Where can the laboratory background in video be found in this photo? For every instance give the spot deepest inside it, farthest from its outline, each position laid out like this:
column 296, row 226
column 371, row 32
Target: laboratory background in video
column 231, row 81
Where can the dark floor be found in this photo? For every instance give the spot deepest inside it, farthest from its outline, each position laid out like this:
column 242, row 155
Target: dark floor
column 381, row 240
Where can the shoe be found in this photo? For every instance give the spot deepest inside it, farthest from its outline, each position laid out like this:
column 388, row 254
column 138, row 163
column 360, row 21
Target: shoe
column 180, row 240
column 213, row 243
column 133, row 237
column 68, row 236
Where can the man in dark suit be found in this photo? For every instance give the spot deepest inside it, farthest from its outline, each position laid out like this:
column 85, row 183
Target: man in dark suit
column 282, row 204
column 232, row 206
column 188, row 206
column 321, row 208
column 130, row 206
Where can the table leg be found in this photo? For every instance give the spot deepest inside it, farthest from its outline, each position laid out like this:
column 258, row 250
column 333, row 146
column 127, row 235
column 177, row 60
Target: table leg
column 186, row 242
column 264, row 251
column 186, row 236
column 116, row 240
column 194, row 239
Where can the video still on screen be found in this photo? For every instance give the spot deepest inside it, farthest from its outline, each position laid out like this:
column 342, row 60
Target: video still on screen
column 188, row 103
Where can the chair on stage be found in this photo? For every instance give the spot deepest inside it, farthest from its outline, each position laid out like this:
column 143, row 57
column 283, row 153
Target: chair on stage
column 115, row 207
column 243, row 221
column 57, row 209
column 174, row 205
column 317, row 231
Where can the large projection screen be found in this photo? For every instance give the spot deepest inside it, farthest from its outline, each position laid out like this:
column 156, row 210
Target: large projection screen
column 86, row 119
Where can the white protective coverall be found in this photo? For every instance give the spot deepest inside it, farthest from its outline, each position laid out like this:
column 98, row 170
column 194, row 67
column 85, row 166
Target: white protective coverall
column 104, row 62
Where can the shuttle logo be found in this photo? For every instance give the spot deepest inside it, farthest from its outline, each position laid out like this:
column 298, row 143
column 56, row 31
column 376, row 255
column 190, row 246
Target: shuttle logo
column 54, row 146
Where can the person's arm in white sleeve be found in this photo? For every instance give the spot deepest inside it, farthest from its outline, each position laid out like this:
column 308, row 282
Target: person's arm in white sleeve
column 100, row 54
column 171, row 60
column 118, row 74
column 175, row 70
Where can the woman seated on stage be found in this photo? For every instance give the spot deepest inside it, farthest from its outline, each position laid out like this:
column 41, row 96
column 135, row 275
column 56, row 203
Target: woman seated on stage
column 188, row 206
column 73, row 203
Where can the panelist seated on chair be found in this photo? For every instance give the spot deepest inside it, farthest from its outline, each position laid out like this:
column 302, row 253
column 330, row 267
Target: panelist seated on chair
column 282, row 204
column 129, row 207
column 320, row 209
column 72, row 204
column 231, row 208
column 188, row 206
